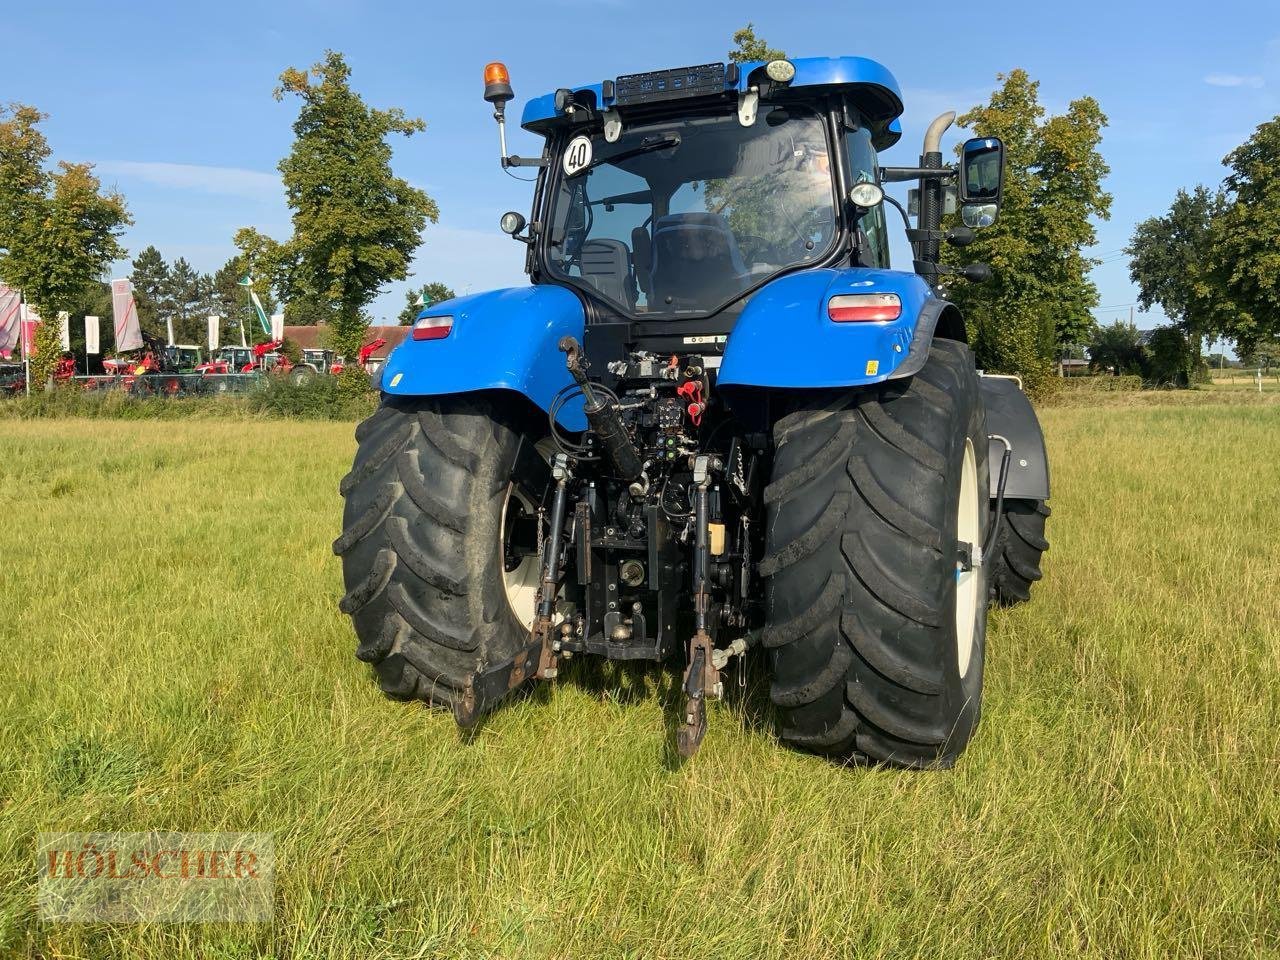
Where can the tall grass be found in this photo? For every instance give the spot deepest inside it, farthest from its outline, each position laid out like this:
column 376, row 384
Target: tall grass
column 176, row 661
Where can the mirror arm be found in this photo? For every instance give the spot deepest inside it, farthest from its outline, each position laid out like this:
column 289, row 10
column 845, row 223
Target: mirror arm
column 901, row 174
column 514, row 161
column 974, row 272
column 956, row 236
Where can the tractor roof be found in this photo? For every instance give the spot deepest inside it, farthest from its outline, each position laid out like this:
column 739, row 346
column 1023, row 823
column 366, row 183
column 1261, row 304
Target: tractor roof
column 872, row 86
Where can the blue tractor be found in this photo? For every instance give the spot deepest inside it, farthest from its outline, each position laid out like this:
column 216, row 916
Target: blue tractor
column 715, row 419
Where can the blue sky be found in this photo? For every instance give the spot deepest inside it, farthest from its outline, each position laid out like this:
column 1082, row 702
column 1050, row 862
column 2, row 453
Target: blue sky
column 173, row 101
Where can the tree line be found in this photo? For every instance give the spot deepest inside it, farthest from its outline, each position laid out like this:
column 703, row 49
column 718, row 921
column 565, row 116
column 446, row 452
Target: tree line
column 59, row 229
column 1211, row 263
column 356, row 227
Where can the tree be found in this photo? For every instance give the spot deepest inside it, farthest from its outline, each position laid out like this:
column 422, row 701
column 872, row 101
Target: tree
column 428, row 293
column 1040, row 295
column 355, row 224
column 150, row 279
column 1115, row 348
column 747, row 47
column 1262, row 353
column 23, row 178
column 226, row 297
column 308, row 311
column 1172, row 262
column 186, row 293
column 1244, row 238
column 59, row 233
column 1168, row 359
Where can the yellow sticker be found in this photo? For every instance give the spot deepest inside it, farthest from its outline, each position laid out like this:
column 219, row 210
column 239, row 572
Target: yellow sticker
column 873, row 367
column 395, row 381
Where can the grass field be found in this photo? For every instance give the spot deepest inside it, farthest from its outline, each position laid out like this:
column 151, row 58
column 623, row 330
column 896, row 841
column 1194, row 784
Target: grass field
column 176, row 661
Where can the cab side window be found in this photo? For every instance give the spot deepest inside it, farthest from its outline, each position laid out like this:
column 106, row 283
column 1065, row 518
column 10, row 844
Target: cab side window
column 864, row 166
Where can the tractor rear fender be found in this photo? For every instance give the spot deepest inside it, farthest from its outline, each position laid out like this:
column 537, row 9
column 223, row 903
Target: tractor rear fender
column 1010, row 415
column 502, row 339
column 786, row 339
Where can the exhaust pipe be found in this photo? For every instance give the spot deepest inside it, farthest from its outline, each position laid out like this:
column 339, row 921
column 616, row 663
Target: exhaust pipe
column 931, row 188
column 933, row 136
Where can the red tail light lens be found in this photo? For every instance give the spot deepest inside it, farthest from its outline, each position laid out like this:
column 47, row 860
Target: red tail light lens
column 432, row 328
column 860, row 307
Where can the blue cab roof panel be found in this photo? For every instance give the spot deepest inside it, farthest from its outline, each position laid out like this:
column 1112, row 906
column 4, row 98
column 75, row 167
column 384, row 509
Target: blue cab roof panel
column 853, row 72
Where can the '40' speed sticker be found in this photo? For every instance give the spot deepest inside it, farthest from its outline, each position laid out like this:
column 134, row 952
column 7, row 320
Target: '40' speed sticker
column 577, row 156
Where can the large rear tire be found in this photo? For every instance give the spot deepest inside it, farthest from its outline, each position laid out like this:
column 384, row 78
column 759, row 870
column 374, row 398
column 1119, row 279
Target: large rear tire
column 430, row 501
column 1015, row 562
column 876, row 631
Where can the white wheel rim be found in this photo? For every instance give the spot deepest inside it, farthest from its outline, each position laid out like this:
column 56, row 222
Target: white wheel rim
column 967, row 581
column 522, row 583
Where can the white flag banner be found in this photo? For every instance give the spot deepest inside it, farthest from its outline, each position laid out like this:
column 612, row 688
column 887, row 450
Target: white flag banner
column 125, row 314
column 168, row 326
column 92, row 335
column 64, row 329
column 277, row 326
column 215, row 327
column 10, row 318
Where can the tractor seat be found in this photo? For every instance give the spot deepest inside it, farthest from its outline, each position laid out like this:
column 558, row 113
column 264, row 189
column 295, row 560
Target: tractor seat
column 695, row 259
column 606, row 265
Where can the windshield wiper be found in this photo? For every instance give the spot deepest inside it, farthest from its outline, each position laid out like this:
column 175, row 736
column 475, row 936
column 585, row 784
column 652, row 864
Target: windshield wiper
column 661, row 143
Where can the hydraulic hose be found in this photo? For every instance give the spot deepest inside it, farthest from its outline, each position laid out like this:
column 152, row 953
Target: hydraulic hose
column 994, row 533
column 602, row 417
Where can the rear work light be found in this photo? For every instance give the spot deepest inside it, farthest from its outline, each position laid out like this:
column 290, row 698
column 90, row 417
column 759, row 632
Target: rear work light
column 432, row 328
column 857, row 307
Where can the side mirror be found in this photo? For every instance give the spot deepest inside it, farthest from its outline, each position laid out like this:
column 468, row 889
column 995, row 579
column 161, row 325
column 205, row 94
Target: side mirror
column 981, row 180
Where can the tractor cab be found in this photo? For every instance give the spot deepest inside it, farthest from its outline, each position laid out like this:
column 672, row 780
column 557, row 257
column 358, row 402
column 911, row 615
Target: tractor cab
column 320, row 360
column 679, row 193
column 183, row 357
column 227, row 360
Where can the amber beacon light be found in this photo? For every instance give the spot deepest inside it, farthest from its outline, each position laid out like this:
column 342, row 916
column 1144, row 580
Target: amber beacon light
column 497, row 83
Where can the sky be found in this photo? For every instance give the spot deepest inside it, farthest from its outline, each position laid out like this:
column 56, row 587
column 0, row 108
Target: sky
column 173, row 102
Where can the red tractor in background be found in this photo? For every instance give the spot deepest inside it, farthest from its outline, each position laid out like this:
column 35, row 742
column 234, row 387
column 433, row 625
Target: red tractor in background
column 367, row 351
column 260, row 358
column 316, row 361
column 154, row 370
column 228, row 369
column 268, row 358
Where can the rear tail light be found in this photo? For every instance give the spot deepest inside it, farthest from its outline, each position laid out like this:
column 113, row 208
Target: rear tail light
column 432, row 328
column 856, row 307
